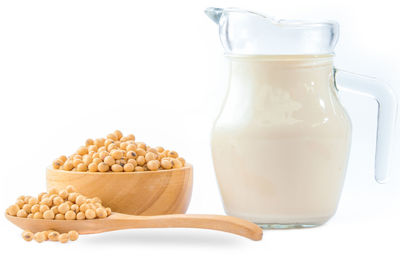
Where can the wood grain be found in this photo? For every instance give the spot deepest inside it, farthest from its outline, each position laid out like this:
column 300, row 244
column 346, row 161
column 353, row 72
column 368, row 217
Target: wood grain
column 137, row 193
column 119, row 221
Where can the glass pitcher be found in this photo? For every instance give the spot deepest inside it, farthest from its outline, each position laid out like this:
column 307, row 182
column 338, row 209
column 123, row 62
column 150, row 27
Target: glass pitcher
column 281, row 141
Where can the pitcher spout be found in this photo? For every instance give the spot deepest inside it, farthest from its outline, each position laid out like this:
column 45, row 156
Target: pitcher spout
column 214, row 13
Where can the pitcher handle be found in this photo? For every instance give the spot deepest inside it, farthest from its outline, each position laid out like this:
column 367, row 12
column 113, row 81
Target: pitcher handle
column 387, row 111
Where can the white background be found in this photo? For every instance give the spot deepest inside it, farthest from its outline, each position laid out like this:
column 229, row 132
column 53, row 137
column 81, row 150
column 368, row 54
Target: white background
column 70, row 70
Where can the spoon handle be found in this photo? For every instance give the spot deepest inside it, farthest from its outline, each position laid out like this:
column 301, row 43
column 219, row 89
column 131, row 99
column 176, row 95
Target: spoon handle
column 214, row 222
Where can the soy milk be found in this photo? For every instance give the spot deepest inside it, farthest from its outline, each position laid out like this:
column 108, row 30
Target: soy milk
column 281, row 142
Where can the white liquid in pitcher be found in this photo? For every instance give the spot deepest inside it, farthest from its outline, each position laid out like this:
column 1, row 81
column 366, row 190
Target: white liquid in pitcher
column 280, row 144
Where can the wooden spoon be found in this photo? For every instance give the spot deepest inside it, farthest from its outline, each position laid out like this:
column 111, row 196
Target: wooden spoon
column 119, row 221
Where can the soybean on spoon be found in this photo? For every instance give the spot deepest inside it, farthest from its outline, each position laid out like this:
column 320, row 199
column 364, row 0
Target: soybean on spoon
column 119, row 221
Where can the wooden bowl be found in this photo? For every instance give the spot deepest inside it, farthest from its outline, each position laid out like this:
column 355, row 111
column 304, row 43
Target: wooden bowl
column 138, row 193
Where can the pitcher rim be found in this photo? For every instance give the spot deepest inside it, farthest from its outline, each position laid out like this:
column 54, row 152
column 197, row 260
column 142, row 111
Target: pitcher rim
column 281, row 57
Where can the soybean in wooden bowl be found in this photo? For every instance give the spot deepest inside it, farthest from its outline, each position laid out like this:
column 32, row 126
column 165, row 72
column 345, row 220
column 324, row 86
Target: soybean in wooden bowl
column 129, row 176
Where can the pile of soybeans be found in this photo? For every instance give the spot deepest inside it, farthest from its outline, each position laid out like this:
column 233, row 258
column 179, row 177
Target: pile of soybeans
column 118, row 153
column 65, row 204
